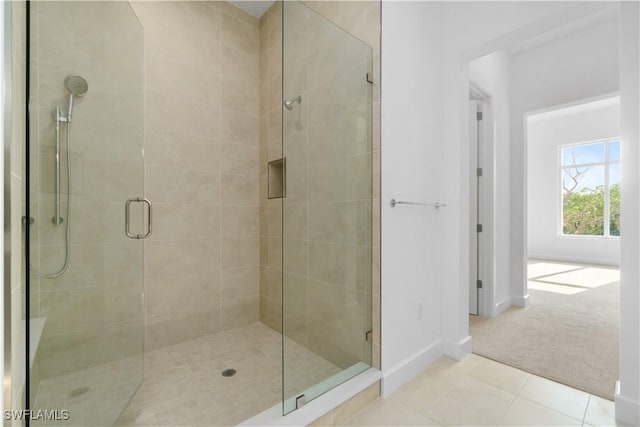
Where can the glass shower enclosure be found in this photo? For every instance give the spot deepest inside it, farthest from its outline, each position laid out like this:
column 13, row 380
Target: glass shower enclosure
column 87, row 218
column 327, row 207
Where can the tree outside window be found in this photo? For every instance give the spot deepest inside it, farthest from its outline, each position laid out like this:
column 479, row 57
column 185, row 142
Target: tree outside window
column 590, row 179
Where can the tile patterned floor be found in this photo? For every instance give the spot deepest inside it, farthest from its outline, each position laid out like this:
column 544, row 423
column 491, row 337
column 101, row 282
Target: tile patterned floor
column 480, row 392
column 107, row 388
column 183, row 385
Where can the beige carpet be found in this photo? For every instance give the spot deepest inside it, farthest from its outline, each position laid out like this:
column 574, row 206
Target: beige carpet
column 568, row 333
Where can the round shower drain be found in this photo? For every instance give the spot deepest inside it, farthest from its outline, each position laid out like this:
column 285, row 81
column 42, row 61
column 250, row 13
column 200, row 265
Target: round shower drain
column 78, row 391
column 228, row 372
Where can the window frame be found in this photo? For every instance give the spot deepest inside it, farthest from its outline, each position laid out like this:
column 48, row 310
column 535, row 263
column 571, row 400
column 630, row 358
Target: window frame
column 607, row 190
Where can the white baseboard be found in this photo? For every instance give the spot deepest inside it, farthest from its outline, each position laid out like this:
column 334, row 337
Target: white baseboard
column 395, row 377
column 577, row 260
column 520, row 301
column 501, row 307
column 627, row 410
column 457, row 350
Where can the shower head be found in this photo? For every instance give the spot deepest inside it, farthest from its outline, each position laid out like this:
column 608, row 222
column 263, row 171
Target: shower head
column 288, row 103
column 77, row 86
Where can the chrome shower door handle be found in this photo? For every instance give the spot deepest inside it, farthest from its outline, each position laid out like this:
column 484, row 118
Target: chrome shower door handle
column 127, row 218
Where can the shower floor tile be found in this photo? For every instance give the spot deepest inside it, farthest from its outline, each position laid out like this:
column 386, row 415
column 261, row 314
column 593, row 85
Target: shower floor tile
column 183, row 384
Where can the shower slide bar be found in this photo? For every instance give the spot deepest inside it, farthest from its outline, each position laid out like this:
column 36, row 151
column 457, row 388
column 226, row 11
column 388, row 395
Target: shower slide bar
column 436, row 205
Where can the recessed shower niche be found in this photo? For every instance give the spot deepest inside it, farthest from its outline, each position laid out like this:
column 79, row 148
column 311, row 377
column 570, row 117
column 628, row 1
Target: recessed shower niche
column 276, row 175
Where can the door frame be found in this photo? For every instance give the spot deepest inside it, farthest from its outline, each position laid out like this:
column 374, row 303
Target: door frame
column 10, row 198
column 485, row 252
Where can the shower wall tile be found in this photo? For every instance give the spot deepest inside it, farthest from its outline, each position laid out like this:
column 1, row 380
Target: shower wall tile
column 183, row 294
column 240, row 190
column 239, row 311
column 169, row 75
column 240, row 159
column 162, row 331
column 239, row 282
column 241, row 221
column 169, row 257
column 240, row 95
column 174, row 221
column 240, row 252
column 203, row 150
column 165, row 185
column 239, row 128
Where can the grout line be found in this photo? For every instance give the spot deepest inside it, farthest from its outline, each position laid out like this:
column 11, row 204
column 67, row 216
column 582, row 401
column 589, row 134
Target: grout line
column 550, row 409
column 529, row 375
column 515, row 396
column 586, row 408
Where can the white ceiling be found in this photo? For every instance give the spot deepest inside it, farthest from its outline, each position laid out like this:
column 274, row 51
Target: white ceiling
column 608, row 13
column 256, row 8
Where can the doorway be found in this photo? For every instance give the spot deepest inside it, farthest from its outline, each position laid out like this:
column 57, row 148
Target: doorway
column 535, row 86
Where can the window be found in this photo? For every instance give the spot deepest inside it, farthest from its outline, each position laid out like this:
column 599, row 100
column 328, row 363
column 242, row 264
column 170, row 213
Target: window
column 590, row 180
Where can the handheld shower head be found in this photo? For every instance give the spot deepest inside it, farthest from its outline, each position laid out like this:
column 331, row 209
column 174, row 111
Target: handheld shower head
column 77, row 86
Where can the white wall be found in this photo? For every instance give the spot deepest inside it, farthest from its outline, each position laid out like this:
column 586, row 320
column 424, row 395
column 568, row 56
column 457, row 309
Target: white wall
column 424, row 101
column 628, row 393
column 579, row 66
column 546, row 132
column 411, row 97
column 491, row 74
column 425, row 256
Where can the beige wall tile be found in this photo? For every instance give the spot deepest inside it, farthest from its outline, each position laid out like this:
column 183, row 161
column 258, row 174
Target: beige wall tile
column 241, row 159
column 240, row 222
column 240, row 96
column 168, row 330
column 182, row 294
column 172, row 221
column 240, row 128
column 240, row 282
column 240, row 190
column 240, row 252
column 239, row 311
column 345, row 411
column 325, row 420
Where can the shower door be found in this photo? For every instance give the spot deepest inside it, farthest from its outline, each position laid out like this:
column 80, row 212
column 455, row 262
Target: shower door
column 85, row 321
column 327, row 205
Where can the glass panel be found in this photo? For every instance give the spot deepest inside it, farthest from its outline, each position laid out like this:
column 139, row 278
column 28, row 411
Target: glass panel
column 583, row 201
column 327, row 209
column 86, row 329
column 614, row 199
column 614, row 150
column 581, row 154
